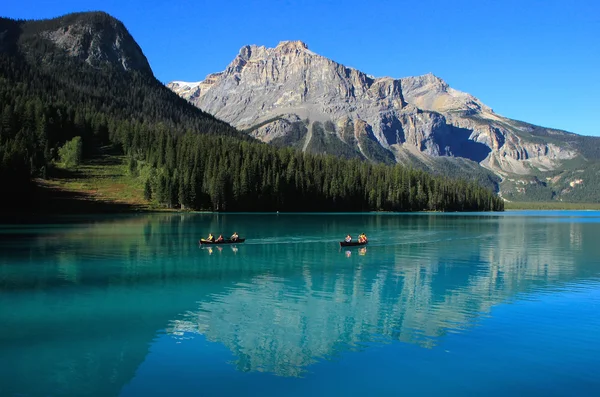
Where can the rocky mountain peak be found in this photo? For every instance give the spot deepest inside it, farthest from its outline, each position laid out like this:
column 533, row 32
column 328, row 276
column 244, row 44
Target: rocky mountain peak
column 285, row 47
column 94, row 37
column 430, row 92
column 290, row 79
column 289, row 95
column 429, row 80
column 249, row 51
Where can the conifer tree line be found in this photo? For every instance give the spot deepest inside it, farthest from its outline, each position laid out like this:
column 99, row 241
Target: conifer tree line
column 227, row 174
column 185, row 157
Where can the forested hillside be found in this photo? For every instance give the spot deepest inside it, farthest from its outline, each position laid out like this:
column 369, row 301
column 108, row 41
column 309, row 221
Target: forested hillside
column 50, row 94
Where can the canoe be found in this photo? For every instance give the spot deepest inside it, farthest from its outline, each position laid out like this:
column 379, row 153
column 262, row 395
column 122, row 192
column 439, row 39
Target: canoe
column 352, row 244
column 226, row 241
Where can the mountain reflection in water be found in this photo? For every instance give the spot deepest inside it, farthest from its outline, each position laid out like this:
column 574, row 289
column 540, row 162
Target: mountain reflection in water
column 416, row 292
column 81, row 305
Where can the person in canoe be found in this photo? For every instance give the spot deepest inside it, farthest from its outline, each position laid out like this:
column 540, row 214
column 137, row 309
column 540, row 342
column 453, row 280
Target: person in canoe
column 210, row 237
column 362, row 238
column 234, row 236
column 220, row 238
column 348, row 238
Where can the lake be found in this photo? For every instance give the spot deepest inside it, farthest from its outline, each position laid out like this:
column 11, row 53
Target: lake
column 437, row 304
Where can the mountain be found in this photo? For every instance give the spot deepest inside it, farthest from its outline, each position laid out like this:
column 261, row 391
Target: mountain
column 73, row 86
column 290, row 96
column 82, row 75
column 96, row 38
column 90, row 61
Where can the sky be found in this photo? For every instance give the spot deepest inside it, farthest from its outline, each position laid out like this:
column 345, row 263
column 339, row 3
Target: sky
column 531, row 60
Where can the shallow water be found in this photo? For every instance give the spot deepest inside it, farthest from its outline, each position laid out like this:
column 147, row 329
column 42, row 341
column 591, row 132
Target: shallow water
column 452, row 304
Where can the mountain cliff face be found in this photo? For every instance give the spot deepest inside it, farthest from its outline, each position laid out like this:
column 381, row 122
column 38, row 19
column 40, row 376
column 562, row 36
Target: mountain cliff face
column 289, row 95
column 94, row 37
column 97, row 39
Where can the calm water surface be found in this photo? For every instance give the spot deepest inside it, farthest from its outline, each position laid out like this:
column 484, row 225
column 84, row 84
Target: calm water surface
column 440, row 304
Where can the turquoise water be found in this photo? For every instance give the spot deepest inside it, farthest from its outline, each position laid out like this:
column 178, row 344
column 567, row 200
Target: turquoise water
column 436, row 304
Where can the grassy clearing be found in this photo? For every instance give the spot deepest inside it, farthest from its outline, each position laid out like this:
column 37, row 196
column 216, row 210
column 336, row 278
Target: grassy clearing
column 554, row 205
column 102, row 179
column 102, row 184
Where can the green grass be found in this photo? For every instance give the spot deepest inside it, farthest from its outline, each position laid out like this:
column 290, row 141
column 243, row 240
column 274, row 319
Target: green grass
column 103, row 178
column 101, row 184
column 555, row 205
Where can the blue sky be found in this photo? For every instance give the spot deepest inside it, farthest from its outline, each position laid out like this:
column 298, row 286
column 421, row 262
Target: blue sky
column 531, row 60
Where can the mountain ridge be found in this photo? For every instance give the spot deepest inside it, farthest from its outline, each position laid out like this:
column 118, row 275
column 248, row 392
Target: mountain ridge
column 288, row 93
column 94, row 37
